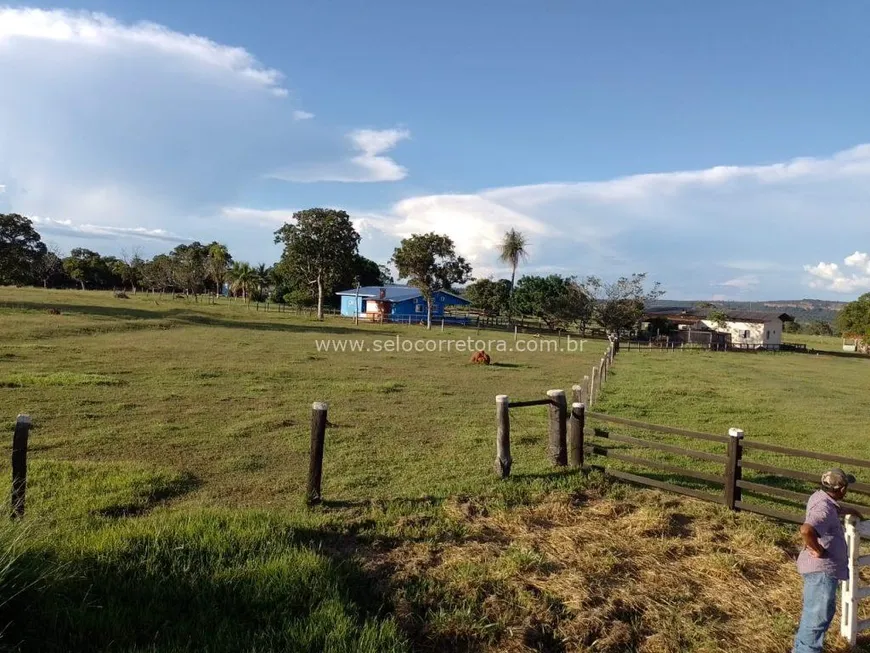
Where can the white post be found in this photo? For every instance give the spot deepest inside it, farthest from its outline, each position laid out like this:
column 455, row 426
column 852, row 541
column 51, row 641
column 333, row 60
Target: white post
column 442, row 324
column 848, row 588
column 515, row 333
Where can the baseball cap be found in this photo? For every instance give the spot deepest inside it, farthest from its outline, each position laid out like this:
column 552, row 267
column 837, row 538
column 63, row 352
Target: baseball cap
column 836, row 478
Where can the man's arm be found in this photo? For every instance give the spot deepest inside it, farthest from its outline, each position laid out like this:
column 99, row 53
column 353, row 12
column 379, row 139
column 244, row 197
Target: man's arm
column 844, row 510
column 811, row 541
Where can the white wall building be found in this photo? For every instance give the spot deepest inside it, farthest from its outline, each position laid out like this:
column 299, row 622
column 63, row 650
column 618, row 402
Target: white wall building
column 763, row 330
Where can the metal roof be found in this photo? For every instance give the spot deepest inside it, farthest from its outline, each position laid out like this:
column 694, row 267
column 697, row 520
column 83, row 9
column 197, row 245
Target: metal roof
column 393, row 293
column 733, row 316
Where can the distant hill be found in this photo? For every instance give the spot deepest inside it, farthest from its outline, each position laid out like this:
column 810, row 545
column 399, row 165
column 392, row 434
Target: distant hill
column 803, row 310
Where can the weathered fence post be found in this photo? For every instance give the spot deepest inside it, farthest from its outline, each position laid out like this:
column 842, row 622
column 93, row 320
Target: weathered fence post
column 558, row 446
column 503, row 460
column 593, row 388
column 602, row 371
column 19, row 464
column 515, row 333
column 577, row 393
column 585, row 389
column 733, row 471
column 575, row 434
column 848, row 594
column 315, row 463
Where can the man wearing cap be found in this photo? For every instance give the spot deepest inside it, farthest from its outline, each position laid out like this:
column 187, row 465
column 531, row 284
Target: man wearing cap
column 824, row 560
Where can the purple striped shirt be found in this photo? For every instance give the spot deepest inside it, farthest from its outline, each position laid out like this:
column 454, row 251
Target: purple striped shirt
column 823, row 515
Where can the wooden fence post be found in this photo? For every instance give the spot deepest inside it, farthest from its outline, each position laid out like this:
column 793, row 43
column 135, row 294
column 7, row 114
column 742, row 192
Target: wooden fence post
column 19, row 464
column 602, row 372
column 558, row 409
column 503, row 460
column 585, row 389
column 577, row 393
column 593, row 388
column 315, row 463
column 575, row 434
column 733, row 471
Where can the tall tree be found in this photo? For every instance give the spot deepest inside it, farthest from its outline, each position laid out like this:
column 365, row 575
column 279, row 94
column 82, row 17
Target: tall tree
column 512, row 251
column 48, row 268
column 20, row 249
column 319, row 248
column 218, row 261
column 430, row 263
column 189, row 267
column 132, row 268
column 83, row 265
column 619, row 305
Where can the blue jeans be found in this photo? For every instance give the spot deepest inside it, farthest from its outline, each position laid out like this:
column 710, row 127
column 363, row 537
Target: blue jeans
column 820, row 603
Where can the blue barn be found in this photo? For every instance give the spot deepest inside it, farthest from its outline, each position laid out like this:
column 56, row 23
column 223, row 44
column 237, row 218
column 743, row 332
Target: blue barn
column 397, row 304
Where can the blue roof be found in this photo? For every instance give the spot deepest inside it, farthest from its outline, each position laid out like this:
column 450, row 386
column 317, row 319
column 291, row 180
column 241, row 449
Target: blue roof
column 394, row 293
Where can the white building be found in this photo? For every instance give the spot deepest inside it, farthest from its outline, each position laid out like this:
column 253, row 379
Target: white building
column 741, row 329
column 752, row 329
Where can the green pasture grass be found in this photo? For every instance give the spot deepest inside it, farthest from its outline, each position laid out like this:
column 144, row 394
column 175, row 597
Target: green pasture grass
column 165, row 513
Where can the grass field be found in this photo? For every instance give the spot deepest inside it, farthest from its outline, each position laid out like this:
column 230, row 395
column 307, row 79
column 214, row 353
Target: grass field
column 168, row 461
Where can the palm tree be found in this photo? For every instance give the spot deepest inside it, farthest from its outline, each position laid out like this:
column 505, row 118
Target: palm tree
column 512, row 251
column 242, row 276
column 262, row 274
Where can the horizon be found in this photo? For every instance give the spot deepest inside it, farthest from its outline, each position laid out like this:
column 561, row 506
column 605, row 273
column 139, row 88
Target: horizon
column 722, row 150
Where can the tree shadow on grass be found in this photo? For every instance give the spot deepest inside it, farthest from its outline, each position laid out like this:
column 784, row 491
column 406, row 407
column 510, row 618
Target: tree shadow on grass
column 184, row 316
column 218, row 584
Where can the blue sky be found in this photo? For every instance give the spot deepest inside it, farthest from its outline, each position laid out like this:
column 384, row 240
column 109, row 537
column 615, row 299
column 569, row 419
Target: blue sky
column 720, row 148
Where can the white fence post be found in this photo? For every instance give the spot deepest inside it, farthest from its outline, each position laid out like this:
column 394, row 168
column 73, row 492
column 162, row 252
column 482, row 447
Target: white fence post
column 849, row 588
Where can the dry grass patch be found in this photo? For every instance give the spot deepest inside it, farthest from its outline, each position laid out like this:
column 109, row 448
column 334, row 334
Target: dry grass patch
column 643, row 572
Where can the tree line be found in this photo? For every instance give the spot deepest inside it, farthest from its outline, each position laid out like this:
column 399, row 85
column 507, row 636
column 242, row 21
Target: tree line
column 320, row 256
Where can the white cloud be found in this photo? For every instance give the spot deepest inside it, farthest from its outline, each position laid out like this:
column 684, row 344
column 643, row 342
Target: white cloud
column 107, row 37
column 370, row 165
column 263, row 217
column 68, row 228
column 141, row 127
column 829, row 276
column 673, row 225
column 744, row 282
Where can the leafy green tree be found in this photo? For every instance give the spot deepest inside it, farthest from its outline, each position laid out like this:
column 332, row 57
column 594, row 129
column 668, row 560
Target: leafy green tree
column 854, row 319
column 821, row 328
column 718, row 317
column 430, row 263
column 619, row 305
column 555, row 300
column 300, row 297
column 793, row 327
column 513, row 250
column 320, row 248
column 491, row 297
column 367, row 272
column 189, row 269
column 83, row 266
column 157, row 273
column 20, row 249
